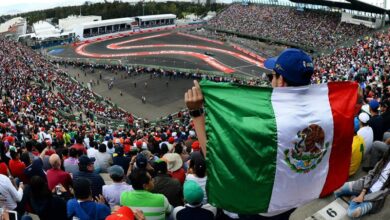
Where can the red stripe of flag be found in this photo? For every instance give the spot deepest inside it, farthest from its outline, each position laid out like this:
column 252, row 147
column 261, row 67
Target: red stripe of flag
column 342, row 98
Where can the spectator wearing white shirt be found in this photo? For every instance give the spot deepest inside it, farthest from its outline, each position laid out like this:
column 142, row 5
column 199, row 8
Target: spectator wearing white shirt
column 92, row 150
column 197, row 173
column 42, row 135
column 9, row 195
column 103, row 159
column 366, row 132
column 86, row 141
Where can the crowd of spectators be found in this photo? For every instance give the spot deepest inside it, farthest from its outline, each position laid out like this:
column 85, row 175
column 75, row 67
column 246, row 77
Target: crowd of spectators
column 313, row 28
column 50, row 165
column 52, row 86
column 82, row 97
column 38, row 146
column 367, row 61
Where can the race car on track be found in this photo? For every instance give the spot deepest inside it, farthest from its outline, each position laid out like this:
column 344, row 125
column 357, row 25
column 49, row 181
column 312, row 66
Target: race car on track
column 209, row 54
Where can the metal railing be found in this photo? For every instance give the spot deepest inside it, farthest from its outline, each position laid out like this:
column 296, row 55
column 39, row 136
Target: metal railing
column 124, row 63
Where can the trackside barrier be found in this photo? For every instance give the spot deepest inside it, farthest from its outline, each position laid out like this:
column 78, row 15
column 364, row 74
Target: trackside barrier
column 201, row 38
column 127, row 63
column 259, row 58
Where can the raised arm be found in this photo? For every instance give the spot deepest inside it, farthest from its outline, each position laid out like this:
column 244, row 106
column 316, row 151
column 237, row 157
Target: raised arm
column 43, row 153
column 194, row 102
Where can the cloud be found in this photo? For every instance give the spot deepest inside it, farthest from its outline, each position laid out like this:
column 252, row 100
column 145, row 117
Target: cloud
column 13, row 6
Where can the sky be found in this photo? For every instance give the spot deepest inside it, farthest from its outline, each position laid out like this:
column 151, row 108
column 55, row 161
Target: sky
column 16, row 6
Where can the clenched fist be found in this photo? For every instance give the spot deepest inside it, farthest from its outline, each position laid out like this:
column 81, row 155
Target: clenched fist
column 194, row 97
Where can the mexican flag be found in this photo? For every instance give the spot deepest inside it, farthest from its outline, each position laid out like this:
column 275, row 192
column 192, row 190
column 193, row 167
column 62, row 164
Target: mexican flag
column 272, row 149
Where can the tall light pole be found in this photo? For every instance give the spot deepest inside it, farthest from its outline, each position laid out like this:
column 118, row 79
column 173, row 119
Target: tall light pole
column 143, row 7
column 384, row 14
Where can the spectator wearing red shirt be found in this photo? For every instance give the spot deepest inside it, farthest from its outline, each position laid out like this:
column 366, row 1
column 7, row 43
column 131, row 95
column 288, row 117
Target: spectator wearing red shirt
column 127, row 145
column 4, row 160
column 180, row 175
column 3, row 167
column 79, row 145
column 49, row 151
column 175, row 166
column 10, row 139
column 16, row 166
column 56, row 176
column 59, row 134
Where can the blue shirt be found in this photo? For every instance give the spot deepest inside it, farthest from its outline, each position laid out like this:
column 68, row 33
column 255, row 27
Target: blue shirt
column 88, row 210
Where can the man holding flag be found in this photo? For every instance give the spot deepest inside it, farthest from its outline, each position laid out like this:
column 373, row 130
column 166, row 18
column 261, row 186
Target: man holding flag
column 273, row 149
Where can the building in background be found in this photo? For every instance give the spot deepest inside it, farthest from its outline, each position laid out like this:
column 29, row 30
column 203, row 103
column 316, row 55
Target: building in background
column 14, row 27
column 43, row 28
column 72, row 21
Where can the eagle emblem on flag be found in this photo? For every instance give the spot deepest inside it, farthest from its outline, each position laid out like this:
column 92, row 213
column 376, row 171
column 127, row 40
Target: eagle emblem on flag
column 308, row 150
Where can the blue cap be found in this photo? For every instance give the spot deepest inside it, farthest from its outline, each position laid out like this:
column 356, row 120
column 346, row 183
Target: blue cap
column 356, row 124
column 85, row 160
column 374, row 104
column 293, row 64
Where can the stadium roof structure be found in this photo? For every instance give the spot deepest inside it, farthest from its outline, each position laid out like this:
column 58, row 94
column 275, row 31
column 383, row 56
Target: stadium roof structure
column 156, row 17
column 4, row 27
column 348, row 4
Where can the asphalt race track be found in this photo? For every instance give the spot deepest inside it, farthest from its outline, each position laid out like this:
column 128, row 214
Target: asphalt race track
column 170, row 49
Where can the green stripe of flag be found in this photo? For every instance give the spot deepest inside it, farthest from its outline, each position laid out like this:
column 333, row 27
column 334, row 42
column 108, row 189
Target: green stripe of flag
column 242, row 146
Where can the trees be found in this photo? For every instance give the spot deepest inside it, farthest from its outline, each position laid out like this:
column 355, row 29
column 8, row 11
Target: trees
column 118, row 9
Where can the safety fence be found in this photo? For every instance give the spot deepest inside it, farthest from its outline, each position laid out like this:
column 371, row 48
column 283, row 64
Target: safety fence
column 128, row 63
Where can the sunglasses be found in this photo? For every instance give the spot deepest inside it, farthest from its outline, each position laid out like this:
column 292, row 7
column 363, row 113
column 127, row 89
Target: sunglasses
column 271, row 76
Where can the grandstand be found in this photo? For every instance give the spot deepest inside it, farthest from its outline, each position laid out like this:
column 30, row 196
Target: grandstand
column 321, row 27
column 98, row 28
column 151, row 21
column 71, row 22
column 110, row 26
